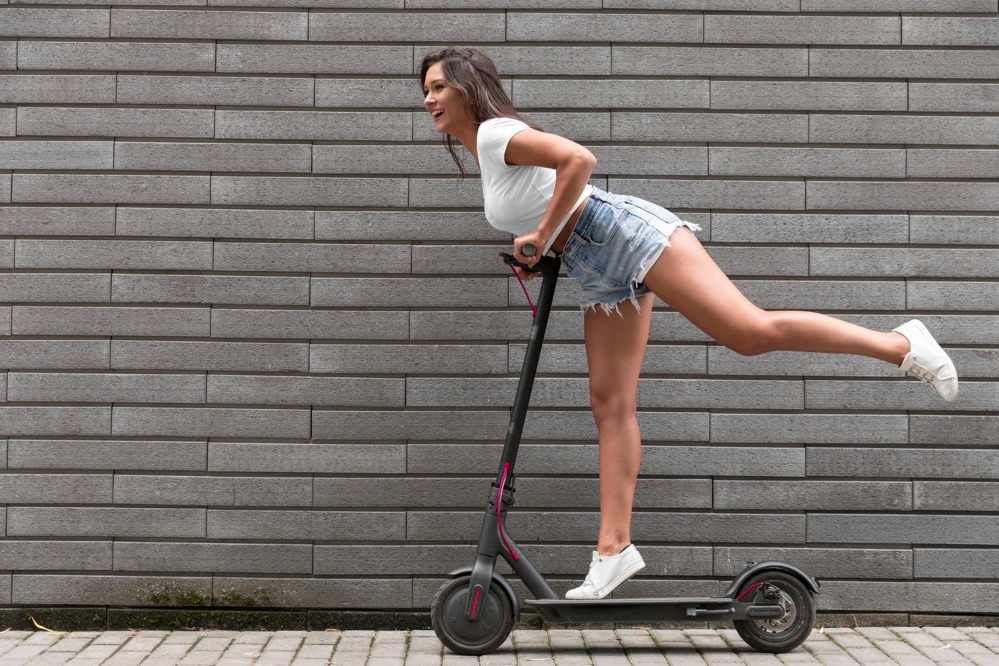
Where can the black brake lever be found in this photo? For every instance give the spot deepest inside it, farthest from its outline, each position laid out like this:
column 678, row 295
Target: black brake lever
column 510, row 260
column 529, row 251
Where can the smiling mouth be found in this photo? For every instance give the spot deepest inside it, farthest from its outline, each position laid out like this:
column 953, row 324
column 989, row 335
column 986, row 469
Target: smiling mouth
column 437, row 114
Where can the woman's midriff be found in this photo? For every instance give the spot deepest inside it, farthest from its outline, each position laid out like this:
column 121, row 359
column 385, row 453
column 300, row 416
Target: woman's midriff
column 563, row 235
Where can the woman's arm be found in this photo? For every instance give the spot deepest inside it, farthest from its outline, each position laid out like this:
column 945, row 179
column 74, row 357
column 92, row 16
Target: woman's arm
column 573, row 165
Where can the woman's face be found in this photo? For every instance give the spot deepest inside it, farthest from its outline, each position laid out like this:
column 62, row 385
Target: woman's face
column 447, row 106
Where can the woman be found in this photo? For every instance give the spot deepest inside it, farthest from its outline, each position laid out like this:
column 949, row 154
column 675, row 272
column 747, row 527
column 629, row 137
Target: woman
column 535, row 186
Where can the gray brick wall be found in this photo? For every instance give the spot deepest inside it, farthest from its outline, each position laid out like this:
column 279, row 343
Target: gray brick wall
column 255, row 341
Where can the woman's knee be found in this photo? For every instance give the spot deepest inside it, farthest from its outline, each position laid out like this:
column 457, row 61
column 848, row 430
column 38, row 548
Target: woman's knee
column 759, row 336
column 611, row 406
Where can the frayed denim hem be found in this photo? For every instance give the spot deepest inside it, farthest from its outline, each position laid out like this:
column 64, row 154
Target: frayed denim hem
column 638, row 288
column 614, row 307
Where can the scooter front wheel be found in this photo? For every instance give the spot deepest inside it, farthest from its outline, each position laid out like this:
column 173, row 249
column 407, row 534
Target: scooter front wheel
column 781, row 634
column 486, row 633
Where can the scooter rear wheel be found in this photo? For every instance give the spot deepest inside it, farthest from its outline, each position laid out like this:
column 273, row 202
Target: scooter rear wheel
column 485, row 634
column 786, row 633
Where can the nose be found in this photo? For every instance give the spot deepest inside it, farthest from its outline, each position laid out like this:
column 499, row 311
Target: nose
column 428, row 100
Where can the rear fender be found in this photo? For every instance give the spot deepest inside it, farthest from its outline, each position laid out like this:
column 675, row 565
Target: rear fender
column 753, row 569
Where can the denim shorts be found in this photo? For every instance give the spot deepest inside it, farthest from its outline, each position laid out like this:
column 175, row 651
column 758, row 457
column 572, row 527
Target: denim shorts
column 616, row 240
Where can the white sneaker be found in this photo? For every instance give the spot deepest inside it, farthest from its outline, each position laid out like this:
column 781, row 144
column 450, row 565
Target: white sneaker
column 607, row 572
column 927, row 361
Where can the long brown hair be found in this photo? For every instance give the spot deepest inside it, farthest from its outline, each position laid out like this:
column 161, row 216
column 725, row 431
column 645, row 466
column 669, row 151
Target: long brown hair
column 473, row 73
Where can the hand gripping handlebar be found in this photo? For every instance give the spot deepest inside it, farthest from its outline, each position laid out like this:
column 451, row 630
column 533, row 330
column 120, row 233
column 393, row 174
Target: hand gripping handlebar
column 529, row 251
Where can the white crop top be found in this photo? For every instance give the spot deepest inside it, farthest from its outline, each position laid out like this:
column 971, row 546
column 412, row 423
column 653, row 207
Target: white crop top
column 515, row 196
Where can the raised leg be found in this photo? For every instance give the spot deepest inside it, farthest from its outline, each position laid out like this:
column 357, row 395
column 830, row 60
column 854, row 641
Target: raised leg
column 687, row 278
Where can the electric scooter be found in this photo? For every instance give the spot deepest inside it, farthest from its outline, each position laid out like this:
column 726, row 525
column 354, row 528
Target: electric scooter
column 769, row 603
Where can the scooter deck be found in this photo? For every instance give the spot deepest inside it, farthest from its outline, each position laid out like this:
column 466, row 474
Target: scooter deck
column 650, row 610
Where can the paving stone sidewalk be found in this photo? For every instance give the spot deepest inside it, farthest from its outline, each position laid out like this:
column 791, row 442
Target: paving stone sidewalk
column 874, row 646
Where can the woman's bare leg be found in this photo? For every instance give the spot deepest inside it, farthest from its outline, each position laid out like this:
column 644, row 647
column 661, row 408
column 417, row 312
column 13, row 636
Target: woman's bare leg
column 687, row 278
column 615, row 346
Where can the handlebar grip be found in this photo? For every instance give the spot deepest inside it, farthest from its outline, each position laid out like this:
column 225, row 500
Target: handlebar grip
column 529, row 250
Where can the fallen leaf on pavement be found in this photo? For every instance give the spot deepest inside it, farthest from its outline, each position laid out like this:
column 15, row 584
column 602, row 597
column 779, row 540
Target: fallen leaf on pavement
column 50, row 631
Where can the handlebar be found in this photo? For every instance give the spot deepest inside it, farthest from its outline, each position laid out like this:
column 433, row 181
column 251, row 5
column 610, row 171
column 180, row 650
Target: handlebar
column 529, row 251
column 509, row 260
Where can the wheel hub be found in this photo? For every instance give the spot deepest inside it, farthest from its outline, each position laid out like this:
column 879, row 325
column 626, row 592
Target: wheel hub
column 454, row 610
column 774, row 594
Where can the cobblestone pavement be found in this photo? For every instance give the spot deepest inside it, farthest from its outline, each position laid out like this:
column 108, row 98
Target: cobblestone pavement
column 875, row 646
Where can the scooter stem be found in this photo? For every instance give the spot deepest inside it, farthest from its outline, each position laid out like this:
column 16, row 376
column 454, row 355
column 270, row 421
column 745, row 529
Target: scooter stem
column 493, row 541
column 549, row 268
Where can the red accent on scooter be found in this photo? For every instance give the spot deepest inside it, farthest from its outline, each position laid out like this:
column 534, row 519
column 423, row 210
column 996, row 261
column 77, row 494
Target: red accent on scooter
column 475, row 602
column 499, row 517
column 534, row 311
column 747, row 591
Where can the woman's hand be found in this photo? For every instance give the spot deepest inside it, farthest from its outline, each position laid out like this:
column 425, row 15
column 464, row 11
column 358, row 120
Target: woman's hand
column 534, row 238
